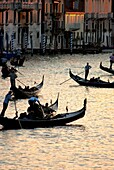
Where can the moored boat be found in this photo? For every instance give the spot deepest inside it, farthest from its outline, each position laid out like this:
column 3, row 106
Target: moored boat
column 58, row 120
column 98, row 83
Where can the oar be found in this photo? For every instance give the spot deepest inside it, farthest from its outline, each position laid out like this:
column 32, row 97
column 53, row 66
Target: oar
column 65, row 81
column 19, row 72
column 21, row 82
column 70, row 78
column 17, row 114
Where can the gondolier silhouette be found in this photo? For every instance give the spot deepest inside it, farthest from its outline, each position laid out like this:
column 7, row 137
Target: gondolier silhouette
column 87, row 68
column 6, row 101
column 13, row 76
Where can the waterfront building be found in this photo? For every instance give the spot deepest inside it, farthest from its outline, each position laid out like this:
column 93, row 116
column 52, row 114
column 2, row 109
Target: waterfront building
column 22, row 19
column 54, row 24
column 74, row 20
column 98, row 22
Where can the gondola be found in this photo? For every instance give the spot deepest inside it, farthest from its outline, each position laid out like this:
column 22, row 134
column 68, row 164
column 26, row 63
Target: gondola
column 25, row 93
column 5, row 70
column 58, row 120
column 106, row 69
column 83, row 82
column 17, row 62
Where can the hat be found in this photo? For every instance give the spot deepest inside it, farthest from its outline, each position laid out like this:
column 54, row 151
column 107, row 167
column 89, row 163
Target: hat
column 33, row 99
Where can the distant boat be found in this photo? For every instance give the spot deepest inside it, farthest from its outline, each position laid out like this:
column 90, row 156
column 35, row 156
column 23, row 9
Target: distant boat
column 106, row 69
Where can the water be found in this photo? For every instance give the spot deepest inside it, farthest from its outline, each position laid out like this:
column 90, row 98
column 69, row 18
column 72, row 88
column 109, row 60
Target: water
column 86, row 144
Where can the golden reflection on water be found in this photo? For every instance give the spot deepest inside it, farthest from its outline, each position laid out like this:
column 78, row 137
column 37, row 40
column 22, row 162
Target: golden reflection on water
column 87, row 143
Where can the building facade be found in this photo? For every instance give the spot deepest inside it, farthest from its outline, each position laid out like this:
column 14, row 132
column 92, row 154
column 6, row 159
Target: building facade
column 98, row 22
column 22, row 19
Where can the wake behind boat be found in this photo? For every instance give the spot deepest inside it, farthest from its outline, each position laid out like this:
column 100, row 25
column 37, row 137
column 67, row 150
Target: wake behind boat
column 95, row 83
column 25, row 93
column 109, row 70
column 58, row 120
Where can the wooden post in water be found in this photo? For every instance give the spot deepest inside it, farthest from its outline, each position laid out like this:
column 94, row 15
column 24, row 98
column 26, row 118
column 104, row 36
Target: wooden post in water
column 31, row 42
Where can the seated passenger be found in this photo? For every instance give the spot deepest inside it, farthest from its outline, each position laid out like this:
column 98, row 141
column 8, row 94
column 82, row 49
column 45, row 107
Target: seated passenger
column 34, row 110
column 92, row 79
column 48, row 110
column 26, row 87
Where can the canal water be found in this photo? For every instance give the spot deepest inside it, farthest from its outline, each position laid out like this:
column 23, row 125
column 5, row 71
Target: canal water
column 86, row 144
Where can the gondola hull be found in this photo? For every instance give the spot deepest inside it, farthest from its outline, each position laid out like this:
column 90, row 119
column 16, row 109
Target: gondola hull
column 58, row 120
column 108, row 70
column 83, row 82
column 24, row 94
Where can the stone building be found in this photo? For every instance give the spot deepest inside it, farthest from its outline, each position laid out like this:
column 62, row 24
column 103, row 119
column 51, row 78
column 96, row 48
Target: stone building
column 23, row 20
column 98, row 22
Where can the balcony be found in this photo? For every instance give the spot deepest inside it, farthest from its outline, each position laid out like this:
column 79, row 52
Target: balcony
column 87, row 15
column 102, row 16
column 37, row 6
column 27, row 6
column 4, row 6
column 72, row 26
column 15, row 5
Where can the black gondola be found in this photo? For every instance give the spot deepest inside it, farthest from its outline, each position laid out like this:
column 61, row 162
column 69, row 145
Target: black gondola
column 83, row 82
column 17, row 61
column 106, row 69
column 25, row 93
column 58, row 120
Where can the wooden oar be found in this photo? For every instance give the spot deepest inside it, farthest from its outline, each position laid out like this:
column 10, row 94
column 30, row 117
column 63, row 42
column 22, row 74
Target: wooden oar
column 19, row 72
column 21, row 82
column 70, row 78
column 17, row 114
column 65, row 81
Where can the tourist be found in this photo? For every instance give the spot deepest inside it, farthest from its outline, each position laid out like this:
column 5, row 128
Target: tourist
column 35, row 109
column 87, row 67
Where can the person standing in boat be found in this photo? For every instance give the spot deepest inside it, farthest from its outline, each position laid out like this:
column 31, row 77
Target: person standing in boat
column 111, row 60
column 6, row 101
column 13, row 76
column 87, row 68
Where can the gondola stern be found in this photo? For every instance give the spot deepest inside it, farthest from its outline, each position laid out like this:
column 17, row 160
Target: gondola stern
column 85, row 103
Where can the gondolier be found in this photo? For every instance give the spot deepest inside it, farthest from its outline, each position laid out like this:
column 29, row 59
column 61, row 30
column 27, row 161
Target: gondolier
column 13, row 76
column 87, row 67
column 6, row 101
column 111, row 60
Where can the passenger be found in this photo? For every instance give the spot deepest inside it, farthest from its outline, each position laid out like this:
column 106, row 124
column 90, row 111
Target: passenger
column 48, row 111
column 92, row 79
column 20, row 87
column 6, row 101
column 35, row 109
column 26, row 87
column 97, row 79
column 111, row 60
column 87, row 68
